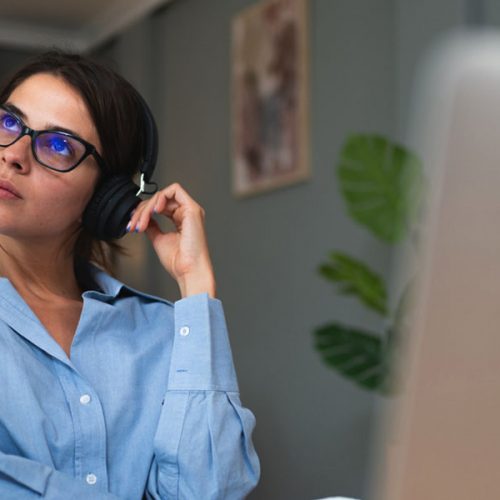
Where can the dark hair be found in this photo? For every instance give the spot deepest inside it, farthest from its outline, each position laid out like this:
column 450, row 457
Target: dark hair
column 116, row 111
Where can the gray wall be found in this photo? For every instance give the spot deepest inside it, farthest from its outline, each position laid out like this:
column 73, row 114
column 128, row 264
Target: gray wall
column 314, row 429
column 11, row 59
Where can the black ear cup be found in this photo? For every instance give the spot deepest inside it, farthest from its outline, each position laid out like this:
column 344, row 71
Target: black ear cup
column 108, row 212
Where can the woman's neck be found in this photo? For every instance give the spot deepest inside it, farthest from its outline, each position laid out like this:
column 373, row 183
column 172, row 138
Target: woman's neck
column 39, row 269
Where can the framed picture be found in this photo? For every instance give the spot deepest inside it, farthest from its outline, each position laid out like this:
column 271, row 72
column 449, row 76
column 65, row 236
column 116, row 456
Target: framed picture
column 270, row 96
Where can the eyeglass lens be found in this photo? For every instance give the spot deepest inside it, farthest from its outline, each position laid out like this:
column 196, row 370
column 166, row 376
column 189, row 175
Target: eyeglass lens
column 54, row 149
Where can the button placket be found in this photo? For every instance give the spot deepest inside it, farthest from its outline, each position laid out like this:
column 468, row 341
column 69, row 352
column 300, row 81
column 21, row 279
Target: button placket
column 88, row 424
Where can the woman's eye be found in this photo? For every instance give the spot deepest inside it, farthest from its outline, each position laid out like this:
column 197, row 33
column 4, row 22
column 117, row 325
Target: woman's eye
column 9, row 122
column 60, row 146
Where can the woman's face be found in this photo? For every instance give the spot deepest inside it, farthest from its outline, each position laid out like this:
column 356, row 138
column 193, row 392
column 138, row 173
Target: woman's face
column 50, row 203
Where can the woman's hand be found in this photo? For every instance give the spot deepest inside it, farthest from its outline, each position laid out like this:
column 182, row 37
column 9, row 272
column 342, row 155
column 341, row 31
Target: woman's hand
column 184, row 252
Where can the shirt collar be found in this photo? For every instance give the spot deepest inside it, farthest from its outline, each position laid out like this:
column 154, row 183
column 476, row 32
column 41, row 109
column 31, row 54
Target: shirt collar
column 107, row 286
column 17, row 314
column 99, row 280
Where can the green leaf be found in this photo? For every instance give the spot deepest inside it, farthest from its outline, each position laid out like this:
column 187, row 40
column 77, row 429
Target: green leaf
column 354, row 353
column 381, row 183
column 356, row 278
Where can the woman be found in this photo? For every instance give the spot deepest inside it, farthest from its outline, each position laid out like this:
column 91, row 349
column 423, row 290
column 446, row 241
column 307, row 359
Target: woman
column 105, row 392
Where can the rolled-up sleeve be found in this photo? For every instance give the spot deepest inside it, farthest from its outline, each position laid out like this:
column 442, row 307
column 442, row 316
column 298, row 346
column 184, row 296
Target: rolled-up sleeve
column 203, row 447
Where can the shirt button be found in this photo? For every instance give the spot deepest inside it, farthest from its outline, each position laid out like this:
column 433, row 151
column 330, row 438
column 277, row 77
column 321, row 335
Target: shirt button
column 85, row 399
column 91, row 478
column 184, row 331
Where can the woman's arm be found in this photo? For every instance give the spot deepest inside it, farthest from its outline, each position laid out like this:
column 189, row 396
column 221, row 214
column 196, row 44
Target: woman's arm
column 203, row 446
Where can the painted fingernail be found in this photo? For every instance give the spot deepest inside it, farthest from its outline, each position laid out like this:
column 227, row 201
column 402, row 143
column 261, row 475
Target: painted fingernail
column 128, row 227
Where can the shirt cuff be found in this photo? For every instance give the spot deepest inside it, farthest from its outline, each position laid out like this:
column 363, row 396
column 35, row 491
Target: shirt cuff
column 201, row 354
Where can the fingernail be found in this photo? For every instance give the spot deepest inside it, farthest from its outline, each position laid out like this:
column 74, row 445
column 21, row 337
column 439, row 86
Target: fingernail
column 128, row 227
column 136, row 229
column 155, row 211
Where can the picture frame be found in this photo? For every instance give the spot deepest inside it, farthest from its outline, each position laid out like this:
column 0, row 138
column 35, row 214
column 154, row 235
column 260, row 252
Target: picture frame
column 270, row 96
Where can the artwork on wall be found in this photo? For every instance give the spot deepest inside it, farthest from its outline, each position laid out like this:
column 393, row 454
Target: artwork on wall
column 269, row 96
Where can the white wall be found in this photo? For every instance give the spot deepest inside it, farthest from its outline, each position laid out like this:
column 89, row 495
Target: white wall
column 419, row 25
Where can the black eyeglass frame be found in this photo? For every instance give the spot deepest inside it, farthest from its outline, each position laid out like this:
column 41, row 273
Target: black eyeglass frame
column 90, row 149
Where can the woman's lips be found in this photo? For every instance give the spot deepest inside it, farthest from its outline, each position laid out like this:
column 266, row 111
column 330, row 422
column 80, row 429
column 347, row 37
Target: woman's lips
column 8, row 191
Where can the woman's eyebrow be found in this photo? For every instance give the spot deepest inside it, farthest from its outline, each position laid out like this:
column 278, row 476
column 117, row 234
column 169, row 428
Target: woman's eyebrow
column 15, row 109
column 50, row 126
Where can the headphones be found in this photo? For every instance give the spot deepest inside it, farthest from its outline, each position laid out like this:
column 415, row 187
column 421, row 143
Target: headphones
column 116, row 196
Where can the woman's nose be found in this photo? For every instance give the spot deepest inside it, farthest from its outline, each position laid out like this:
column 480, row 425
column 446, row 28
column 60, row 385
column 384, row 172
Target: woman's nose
column 18, row 155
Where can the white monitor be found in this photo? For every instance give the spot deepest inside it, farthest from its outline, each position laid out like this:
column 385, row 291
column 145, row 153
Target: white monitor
column 443, row 440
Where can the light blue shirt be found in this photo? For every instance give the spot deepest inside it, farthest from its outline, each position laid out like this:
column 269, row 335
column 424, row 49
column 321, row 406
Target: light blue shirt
column 146, row 406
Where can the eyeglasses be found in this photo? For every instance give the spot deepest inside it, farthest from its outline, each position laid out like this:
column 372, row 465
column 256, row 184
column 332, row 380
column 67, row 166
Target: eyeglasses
column 54, row 149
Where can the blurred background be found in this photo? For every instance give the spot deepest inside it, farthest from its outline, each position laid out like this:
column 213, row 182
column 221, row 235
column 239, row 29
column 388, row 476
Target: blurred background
column 314, row 431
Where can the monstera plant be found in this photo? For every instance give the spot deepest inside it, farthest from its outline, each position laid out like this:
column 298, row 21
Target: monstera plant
column 380, row 182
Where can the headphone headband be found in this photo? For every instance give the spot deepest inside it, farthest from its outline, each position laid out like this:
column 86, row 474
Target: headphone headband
column 108, row 212
column 150, row 142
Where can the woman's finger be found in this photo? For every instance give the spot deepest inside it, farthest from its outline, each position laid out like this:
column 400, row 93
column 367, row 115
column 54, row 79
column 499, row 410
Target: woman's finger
column 136, row 215
column 177, row 192
column 165, row 202
column 145, row 216
column 153, row 230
